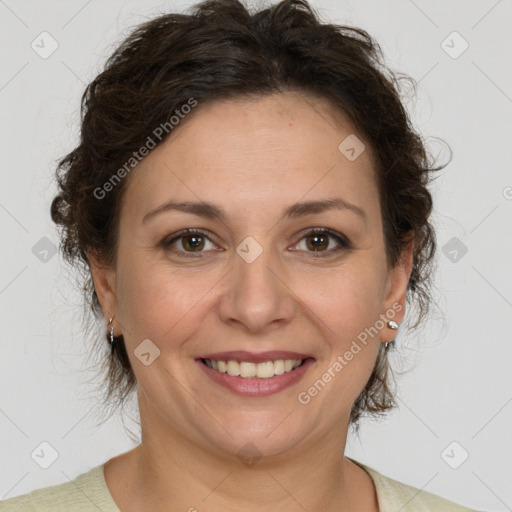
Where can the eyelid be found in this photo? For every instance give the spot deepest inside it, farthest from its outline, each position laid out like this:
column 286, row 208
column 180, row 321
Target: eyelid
column 343, row 241
column 169, row 240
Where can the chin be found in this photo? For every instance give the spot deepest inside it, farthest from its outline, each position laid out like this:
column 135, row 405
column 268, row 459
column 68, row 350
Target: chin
column 255, row 435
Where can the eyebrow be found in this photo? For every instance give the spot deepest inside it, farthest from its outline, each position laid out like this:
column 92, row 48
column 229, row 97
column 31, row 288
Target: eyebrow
column 300, row 209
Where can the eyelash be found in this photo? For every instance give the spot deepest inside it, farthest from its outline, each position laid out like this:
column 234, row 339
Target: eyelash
column 344, row 243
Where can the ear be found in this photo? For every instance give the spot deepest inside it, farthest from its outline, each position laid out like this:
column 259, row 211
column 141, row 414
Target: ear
column 104, row 278
column 398, row 280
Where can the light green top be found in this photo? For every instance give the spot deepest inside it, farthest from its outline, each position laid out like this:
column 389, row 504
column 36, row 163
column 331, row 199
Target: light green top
column 89, row 493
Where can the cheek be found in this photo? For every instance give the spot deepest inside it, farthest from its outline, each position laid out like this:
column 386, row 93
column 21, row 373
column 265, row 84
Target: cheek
column 354, row 299
column 352, row 314
column 156, row 302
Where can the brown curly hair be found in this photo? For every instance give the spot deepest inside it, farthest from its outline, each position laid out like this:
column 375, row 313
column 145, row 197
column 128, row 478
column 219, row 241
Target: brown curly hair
column 221, row 50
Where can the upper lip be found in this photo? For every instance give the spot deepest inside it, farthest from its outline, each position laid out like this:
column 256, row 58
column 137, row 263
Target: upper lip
column 255, row 357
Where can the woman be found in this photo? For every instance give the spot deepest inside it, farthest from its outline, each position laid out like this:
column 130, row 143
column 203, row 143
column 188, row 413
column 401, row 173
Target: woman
column 251, row 203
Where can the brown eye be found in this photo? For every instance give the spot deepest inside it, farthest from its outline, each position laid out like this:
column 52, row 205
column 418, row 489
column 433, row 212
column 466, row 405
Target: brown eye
column 323, row 240
column 188, row 242
column 317, row 242
column 192, row 242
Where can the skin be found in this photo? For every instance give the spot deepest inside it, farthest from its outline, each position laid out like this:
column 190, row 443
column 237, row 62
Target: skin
column 253, row 158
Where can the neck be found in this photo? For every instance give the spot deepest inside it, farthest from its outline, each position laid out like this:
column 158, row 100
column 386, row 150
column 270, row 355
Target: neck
column 177, row 470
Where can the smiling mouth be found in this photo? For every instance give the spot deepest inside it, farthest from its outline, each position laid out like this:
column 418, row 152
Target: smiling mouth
column 249, row 370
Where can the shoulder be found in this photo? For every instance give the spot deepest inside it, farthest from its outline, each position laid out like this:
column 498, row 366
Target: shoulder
column 86, row 492
column 393, row 495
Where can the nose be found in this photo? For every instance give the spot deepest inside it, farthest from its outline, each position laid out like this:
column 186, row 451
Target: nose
column 257, row 296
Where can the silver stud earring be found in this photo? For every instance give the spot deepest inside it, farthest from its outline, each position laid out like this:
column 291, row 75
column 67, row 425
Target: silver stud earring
column 390, row 345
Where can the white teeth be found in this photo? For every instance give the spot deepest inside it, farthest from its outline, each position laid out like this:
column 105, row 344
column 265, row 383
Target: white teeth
column 265, row 370
column 233, row 368
column 279, row 367
column 249, row 370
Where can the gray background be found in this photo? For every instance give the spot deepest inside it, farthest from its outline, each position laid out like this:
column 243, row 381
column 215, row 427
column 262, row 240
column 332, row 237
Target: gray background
column 458, row 387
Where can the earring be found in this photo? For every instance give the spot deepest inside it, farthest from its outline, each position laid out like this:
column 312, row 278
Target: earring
column 110, row 334
column 390, row 345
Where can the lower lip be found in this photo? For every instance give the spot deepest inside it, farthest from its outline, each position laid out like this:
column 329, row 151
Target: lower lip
column 257, row 387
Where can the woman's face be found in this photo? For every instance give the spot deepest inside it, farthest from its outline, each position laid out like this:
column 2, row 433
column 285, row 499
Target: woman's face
column 254, row 281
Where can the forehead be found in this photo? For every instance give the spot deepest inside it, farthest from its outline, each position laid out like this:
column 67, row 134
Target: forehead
column 256, row 153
